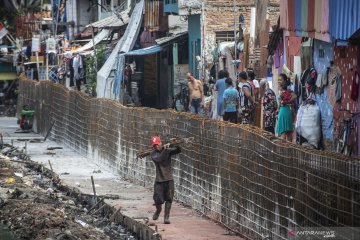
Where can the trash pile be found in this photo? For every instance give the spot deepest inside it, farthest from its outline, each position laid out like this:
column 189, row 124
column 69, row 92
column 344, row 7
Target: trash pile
column 34, row 205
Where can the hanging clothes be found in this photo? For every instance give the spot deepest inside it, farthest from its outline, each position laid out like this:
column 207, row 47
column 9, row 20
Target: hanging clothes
column 338, row 91
column 355, row 87
column 77, row 64
column 307, row 84
column 71, row 72
column 76, row 67
column 334, row 83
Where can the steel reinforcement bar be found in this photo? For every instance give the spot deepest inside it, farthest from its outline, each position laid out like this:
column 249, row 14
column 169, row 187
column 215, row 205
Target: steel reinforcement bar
column 251, row 182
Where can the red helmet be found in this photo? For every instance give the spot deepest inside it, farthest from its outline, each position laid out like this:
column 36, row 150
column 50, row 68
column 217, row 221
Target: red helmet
column 155, row 140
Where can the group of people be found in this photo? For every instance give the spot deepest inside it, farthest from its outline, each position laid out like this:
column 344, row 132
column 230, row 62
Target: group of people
column 237, row 101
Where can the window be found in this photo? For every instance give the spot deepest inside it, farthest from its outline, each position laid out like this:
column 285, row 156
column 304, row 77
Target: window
column 224, row 36
column 321, row 53
column 171, row 1
column 183, row 53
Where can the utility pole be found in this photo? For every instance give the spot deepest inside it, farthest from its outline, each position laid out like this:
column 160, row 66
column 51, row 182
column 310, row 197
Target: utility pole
column 235, row 48
column 95, row 56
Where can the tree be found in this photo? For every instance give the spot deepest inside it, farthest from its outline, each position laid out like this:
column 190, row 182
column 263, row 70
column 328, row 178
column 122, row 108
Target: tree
column 91, row 70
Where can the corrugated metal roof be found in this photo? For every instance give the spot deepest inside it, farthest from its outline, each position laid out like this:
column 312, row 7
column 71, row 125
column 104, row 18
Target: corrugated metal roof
column 344, row 18
column 103, row 87
column 165, row 40
column 112, row 21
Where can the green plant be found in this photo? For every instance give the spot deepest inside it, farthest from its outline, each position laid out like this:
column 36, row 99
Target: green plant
column 93, row 65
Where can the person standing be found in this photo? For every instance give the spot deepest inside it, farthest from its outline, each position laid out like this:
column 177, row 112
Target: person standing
column 196, row 92
column 270, row 107
column 220, row 87
column 164, row 183
column 230, row 102
column 252, row 81
column 247, row 100
column 286, row 99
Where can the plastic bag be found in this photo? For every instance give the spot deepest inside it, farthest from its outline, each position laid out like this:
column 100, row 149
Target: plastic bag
column 308, row 123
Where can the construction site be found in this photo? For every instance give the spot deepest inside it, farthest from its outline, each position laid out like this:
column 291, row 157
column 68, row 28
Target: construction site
column 179, row 119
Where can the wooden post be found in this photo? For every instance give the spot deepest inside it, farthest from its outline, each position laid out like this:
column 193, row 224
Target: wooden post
column 93, row 186
column 37, row 64
column 47, row 67
column 51, row 168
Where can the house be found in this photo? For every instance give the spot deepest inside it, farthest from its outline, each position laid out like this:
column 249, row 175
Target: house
column 156, row 54
column 315, row 36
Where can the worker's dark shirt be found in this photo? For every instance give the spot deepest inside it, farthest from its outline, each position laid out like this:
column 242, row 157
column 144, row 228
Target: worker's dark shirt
column 162, row 162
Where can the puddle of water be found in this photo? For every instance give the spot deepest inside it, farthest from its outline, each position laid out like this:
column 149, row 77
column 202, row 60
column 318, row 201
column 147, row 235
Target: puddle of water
column 5, row 233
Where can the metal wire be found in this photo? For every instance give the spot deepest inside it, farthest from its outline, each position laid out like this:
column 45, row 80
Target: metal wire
column 254, row 184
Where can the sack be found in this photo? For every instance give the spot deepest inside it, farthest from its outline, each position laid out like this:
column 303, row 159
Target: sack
column 308, row 123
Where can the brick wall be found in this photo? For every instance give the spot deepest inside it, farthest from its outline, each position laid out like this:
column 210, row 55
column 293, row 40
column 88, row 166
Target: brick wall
column 219, row 16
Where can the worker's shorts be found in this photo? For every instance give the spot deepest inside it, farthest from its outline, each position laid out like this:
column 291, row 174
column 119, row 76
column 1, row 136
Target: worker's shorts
column 163, row 192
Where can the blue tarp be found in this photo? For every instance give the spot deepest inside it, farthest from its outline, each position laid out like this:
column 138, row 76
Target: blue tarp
column 145, row 51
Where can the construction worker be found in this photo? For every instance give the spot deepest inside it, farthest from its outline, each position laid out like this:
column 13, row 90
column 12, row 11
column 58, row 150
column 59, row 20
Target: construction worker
column 164, row 183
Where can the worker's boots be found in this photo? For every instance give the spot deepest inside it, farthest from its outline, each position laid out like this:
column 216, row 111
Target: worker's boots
column 157, row 212
column 167, row 213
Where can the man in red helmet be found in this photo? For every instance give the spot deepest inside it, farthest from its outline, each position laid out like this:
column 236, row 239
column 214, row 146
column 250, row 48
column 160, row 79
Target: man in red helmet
column 164, row 183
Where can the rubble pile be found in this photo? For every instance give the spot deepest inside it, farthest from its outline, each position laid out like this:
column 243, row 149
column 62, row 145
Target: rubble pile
column 34, row 205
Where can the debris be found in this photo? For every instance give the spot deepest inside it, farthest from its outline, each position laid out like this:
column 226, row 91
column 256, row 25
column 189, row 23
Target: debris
column 111, row 219
column 53, row 148
column 50, row 167
column 6, row 172
column 51, row 153
column 93, row 186
column 97, row 171
column 101, row 208
column 19, row 175
column 81, row 223
column 70, row 202
column 101, row 200
column 37, row 207
column 50, row 190
column 9, row 180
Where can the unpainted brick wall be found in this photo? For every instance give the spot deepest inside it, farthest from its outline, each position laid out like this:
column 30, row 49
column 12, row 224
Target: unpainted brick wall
column 219, row 16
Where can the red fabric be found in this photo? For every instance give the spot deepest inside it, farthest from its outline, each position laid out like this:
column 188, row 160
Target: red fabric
column 155, row 140
column 311, row 16
column 22, row 122
column 291, row 14
column 355, row 87
column 285, row 97
column 293, row 45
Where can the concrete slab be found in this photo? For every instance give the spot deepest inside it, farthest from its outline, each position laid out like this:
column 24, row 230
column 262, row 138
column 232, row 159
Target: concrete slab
column 135, row 201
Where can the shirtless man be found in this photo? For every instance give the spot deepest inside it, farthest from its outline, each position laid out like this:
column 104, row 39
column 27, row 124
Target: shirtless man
column 196, row 92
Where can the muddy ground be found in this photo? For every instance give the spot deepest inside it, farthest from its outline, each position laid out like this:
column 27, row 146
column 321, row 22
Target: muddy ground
column 34, row 205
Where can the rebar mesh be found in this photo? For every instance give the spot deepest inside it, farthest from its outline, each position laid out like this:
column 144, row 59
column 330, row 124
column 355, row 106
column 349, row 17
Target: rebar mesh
column 251, row 182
